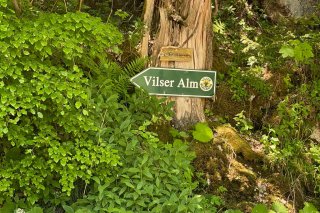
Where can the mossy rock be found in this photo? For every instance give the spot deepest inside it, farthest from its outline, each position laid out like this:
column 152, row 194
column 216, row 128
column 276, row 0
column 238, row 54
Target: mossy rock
column 240, row 146
column 243, row 170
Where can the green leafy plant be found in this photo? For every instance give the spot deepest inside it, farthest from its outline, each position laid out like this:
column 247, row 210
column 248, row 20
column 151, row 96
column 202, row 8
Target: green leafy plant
column 309, row 208
column 293, row 117
column 240, row 82
column 286, row 143
column 154, row 177
column 219, row 27
column 314, row 151
column 48, row 130
column 278, row 207
column 299, row 51
column 243, row 123
column 177, row 135
column 202, row 132
column 122, row 14
column 208, row 112
column 120, row 75
column 237, row 86
column 212, row 203
column 260, row 208
column 315, row 96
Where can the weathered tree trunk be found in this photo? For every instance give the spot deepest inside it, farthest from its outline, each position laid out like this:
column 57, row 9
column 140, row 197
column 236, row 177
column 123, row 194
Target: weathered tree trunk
column 17, row 7
column 147, row 18
column 185, row 24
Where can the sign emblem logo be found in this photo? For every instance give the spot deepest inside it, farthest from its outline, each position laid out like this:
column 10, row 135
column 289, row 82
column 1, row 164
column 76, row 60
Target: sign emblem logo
column 206, row 83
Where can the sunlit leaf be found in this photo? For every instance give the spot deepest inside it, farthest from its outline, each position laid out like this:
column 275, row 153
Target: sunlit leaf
column 202, row 132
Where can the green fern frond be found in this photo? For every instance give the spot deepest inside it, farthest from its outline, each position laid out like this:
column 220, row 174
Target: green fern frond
column 120, row 77
column 88, row 63
column 135, row 66
column 111, row 69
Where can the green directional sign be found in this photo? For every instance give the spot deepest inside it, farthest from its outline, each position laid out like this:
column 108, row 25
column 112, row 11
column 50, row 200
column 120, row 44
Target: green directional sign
column 177, row 82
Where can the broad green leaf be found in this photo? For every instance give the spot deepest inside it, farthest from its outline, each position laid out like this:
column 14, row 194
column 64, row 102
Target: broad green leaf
column 309, row 208
column 177, row 141
column 127, row 182
column 35, row 210
column 286, row 51
column 182, row 208
column 202, row 132
column 260, row 208
column 85, row 112
column 40, row 115
column 68, row 209
column 147, row 173
column 140, row 185
column 5, row 130
column 125, row 124
column 183, row 134
column 8, row 207
column 141, row 203
column 279, row 207
column 78, row 104
column 302, row 52
column 174, row 132
column 133, row 170
column 144, row 159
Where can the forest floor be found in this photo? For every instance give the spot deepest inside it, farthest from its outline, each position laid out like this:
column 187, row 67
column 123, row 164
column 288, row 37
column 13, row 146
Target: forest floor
column 234, row 169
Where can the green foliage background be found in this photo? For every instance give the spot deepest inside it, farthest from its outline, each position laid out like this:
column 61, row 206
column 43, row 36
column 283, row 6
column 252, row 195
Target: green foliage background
column 75, row 136
column 48, row 126
column 71, row 133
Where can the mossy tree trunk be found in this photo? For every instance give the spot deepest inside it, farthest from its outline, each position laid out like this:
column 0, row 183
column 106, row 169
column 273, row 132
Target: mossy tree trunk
column 185, row 24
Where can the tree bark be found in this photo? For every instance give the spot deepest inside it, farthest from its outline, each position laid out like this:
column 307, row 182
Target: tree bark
column 187, row 24
column 80, row 5
column 17, row 7
column 147, row 18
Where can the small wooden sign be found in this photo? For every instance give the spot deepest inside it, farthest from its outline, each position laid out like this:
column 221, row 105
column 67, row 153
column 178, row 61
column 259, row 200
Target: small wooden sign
column 176, row 54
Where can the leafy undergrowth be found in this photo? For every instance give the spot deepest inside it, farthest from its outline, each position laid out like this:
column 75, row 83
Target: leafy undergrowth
column 76, row 137
column 239, row 175
column 269, row 91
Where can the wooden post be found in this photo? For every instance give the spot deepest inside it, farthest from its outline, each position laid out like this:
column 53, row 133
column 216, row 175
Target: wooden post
column 185, row 24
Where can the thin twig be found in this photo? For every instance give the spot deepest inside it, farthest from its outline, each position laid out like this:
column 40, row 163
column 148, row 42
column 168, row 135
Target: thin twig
column 84, row 190
column 216, row 8
column 65, row 5
column 110, row 11
column 80, row 5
